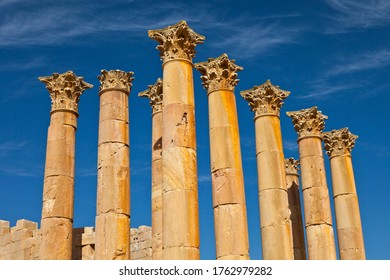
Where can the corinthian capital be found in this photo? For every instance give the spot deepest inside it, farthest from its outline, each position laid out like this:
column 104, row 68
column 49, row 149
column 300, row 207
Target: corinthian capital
column 116, row 80
column 218, row 73
column 339, row 142
column 292, row 166
column 65, row 90
column 308, row 122
column 177, row 41
column 265, row 99
column 155, row 95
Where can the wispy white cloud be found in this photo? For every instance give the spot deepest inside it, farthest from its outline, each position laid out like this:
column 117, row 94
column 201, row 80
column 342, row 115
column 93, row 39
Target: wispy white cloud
column 48, row 24
column 205, row 178
column 21, row 65
column 86, row 172
column 332, row 80
column 290, row 145
column 324, row 88
column 19, row 171
column 358, row 14
column 11, row 146
column 248, row 41
column 360, row 62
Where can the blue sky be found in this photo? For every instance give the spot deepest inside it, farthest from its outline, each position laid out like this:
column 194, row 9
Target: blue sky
column 334, row 54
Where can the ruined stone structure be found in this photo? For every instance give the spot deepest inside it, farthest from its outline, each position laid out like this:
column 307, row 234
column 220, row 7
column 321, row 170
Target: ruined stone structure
column 219, row 78
column 113, row 191
column 309, row 124
column 154, row 93
column 266, row 100
column 294, row 204
column 179, row 165
column 23, row 241
column 58, row 188
column 174, row 233
column 338, row 145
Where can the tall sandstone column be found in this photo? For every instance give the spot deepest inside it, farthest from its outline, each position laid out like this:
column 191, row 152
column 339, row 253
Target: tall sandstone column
column 294, row 203
column 276, row 235
column 219, row 78
column 180, row 187
column 155, row 94
column 58, row 189
column 338, row 145
column 113, row 186
column 309, row 124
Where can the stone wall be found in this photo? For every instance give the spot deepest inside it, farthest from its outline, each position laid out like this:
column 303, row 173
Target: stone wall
column 141, row 243
column 22, row 242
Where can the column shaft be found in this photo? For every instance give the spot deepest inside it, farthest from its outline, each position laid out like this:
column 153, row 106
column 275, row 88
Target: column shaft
column 58, row 188
column 113, row 193
column 275, row 224
column 318, row 215
column 338, row 145
column 294, row 202
column 230, row 220
column 157, row 212
column 180, row 187
column 155, row 95
column 349, row 226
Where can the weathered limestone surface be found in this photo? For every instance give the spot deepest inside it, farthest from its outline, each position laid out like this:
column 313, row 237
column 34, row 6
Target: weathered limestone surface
column 294, row 203
column 309, row 124
column 113, row 191
column 83, row 243
column 20, row 242
column 58, row 190
column 219, row 78
column 276, row 234
column 338, row 145
column 155, row 94
column 180, row 189
column 141, row 241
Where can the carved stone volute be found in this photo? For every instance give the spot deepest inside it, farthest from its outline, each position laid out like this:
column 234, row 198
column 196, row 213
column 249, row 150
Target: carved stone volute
column 65, row 90
column 218, row 73
column 176, row 42
column 116, row 80
column 339, row 142
column 292, row 166
column 265, row 99
column 308, row 122
column 155, row 95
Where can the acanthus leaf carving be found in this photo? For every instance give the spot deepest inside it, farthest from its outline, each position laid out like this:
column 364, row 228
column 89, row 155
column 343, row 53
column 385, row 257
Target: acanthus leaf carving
column 116, row 79
column 308, row 122
column 292, row 166
column 177, row 41
column 65, row 90
column 339, row 142
column 155, row 95
column 219, row 73
column 265, row 98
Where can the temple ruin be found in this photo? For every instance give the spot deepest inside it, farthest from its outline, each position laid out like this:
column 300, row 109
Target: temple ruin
column 174, row 233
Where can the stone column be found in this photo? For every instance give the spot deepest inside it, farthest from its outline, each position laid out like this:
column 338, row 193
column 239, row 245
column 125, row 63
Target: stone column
column 294, row 203
column 318, row 217
column 338, row 145
column 266, row 100
column 219, row 78
column 58, row 188
column 180, row 187
column 155, row 94
column 113, row 183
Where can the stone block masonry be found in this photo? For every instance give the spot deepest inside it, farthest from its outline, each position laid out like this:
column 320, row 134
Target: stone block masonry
column 23, row 241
